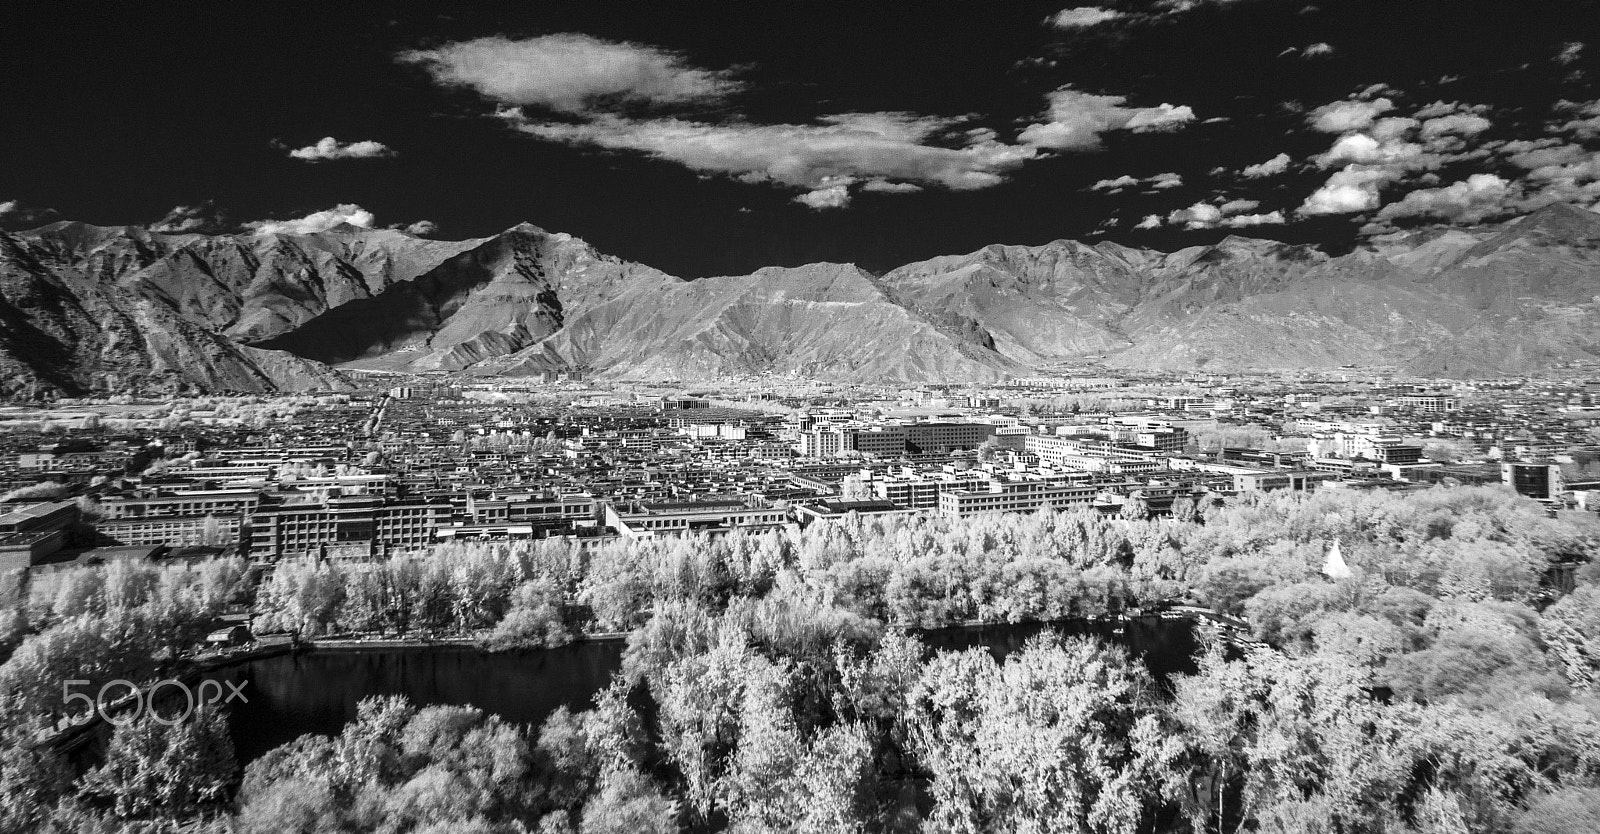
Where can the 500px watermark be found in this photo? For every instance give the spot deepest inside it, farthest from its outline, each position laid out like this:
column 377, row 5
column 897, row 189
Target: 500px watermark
column 118, row 711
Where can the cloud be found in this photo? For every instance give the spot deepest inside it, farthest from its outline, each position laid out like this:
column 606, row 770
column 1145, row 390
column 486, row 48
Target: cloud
column 1378, row 152
column 826, row 197
column 1270, row 168
column 571, row 73
column 1150, row 221
column 862, row 147
column 1076, row 120
column 202, row 218
column 1197, row 216
column 1203, row 215
column 1317, row 50
column 1082, row 17
column 1344, row 116
column 1459, row 124
column 886, row 187
column 421, row 228
column 1161, row 182
column 15, row 211
column 1472, row 200
column 1272, row 218
column 1364, row 149
column 328, row 148
column 1583, row 128
column 1115, row 185
column 1158, row 182
column 317, row 221
column 1569, row 53
column 1353, row 189
column 589, row 80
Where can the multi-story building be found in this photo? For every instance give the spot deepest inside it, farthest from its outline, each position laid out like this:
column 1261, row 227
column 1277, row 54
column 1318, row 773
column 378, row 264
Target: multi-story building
column 1429, row 403
column 944, row 438
column 32, row 532
column 1014, row 496
column 172, row 530
column 1534, row 480
column 654, row 519
column 909, row 488
column 187, row 502
column 298, row 524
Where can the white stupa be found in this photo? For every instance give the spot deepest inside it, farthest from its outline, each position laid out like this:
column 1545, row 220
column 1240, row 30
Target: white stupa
column 1334, row 567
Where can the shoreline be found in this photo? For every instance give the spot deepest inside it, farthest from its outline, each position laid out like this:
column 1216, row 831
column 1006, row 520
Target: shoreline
column 348, row 644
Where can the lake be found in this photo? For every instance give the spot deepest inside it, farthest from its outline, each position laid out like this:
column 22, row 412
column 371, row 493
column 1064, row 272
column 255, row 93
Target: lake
column 317, row 691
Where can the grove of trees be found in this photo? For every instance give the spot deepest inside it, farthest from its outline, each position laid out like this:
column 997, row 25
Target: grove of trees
column 775, row 682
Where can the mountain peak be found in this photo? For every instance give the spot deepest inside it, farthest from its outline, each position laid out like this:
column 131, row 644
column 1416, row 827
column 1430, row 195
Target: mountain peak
column 1563, row 220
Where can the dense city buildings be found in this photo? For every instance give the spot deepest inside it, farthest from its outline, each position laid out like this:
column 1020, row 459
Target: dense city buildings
column 410, row 463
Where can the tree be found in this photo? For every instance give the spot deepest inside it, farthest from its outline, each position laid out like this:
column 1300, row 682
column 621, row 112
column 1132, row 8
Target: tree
column 629, row 803
column 211, row 532
column 156, row 770
column 1270, row 739
column 43, row 491
column 1571, row 630
column 1048, row 741
column 32, row 778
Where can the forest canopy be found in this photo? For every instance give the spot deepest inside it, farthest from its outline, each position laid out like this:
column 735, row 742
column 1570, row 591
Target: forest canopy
column 1445, row 683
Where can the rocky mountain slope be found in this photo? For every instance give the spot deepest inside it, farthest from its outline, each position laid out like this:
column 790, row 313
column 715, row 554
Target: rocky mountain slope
column 121, row 308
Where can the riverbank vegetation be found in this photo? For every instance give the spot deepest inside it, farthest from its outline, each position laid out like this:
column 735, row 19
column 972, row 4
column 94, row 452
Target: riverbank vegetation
column 1444, row 682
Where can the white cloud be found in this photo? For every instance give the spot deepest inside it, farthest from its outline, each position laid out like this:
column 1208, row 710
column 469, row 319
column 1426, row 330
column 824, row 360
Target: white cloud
column 861, row 146
column 1344, row 116
column 827, row 197
column 1317, row 50
column 1075, row 120
column 1197, row 216
column 188, row 219
column 1161, row 182
column 1473, row 200
column 1570, row 53
column 1442, row 108
column 1158, row 182
column 15, row 211
column 1082, row 17
column 1542, row 153
column 1363, row 149
column 1115, row 185
column 1204, row 215
column 572, row 73
column 1270, row 168
column 888, row 152
column 1582, row 128
column 1272, row 218
column 886, row 187
column 328, row 148
column 1348, row 191
column 1459, row 124
column 317, row 221
column 1150, row 221
column 422, row 228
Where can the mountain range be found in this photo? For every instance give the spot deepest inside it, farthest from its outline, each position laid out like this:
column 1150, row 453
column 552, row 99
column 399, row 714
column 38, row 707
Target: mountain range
column 89, row 308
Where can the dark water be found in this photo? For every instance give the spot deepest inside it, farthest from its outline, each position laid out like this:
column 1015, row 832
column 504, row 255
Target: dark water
column 317, row 691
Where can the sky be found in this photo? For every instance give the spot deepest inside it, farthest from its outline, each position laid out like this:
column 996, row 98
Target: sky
column 712, row 138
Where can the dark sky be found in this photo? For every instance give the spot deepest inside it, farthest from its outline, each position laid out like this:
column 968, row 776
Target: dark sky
column 115, row 113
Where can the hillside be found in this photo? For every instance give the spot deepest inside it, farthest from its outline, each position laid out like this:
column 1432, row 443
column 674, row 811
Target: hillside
column 86, row 308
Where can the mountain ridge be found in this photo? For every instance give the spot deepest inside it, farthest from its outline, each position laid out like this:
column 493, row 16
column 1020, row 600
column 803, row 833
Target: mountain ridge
column 90, row 308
